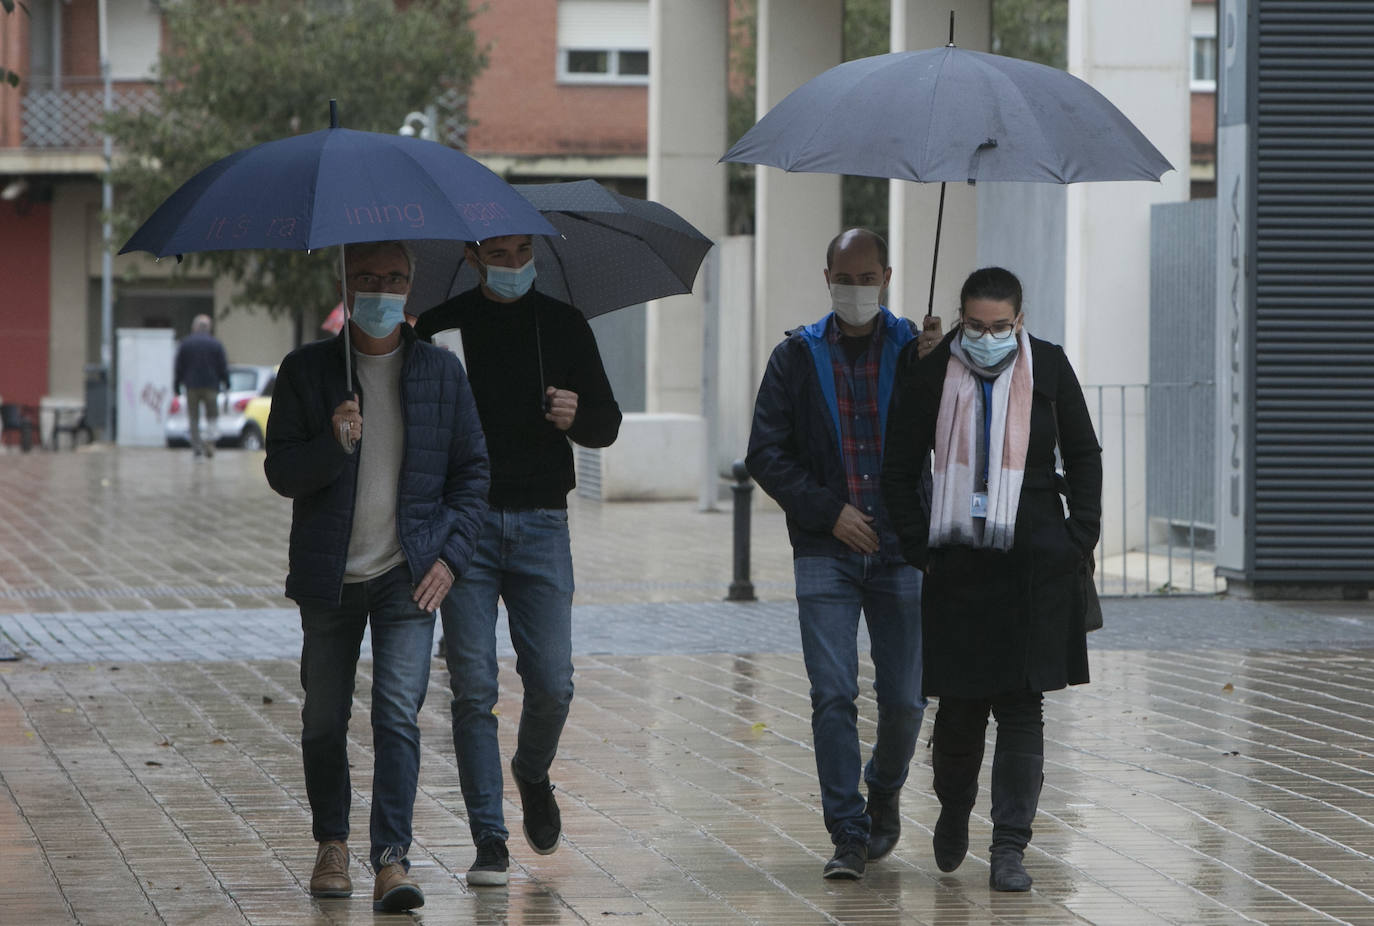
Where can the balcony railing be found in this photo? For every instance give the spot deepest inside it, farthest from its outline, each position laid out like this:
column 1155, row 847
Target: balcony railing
column 69, row 117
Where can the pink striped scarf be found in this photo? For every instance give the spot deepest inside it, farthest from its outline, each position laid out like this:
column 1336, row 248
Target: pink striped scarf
column 957, row 432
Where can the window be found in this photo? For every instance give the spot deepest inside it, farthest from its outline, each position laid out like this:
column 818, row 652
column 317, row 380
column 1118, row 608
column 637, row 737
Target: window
column 1204, row 69
column 603, row 41
column 603, row 65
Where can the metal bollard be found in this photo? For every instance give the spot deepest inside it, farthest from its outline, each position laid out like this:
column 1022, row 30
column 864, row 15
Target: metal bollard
column 741, row 589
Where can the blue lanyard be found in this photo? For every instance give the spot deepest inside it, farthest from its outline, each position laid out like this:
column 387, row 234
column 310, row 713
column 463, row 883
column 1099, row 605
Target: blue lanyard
column 987, row 426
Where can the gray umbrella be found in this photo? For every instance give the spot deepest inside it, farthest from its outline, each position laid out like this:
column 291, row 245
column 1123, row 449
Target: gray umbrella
column 612, row 251
column 948, row 114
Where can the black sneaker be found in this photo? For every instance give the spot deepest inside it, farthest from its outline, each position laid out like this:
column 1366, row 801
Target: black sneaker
column 848, row 862
column 542, row 823
column 489, row 868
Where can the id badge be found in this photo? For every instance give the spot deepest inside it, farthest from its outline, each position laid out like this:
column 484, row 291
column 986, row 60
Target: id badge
column 980, row 504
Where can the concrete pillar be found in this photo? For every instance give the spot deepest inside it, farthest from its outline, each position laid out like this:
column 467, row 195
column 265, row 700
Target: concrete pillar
column 916, row 25
column 687, row 116
column 1137, row 56
column 795, row 215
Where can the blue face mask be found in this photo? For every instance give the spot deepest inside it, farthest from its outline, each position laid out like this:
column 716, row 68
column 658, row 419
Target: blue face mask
column 510, row 284
column 378, row 314
column 987, row 351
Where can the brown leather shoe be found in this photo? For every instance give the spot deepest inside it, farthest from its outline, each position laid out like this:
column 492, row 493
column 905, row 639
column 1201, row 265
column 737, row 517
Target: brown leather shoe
column 330, row 878
column 396, row 891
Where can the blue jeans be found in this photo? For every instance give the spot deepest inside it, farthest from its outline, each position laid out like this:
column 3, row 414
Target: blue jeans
column 831, row 591
column 402, row 637
column 523, row 558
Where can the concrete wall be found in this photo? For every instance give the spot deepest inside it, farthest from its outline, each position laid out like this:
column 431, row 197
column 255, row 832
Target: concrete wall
column 1137, row 56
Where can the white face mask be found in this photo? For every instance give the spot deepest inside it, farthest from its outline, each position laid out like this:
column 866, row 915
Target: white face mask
column 854, row 305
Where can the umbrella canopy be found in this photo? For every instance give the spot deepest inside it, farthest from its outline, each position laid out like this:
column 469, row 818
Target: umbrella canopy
column 335, row 186
column 949, row 114
column 610, row 251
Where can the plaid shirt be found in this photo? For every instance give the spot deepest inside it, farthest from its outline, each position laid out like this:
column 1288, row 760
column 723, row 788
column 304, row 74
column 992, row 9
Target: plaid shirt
column 861, row 438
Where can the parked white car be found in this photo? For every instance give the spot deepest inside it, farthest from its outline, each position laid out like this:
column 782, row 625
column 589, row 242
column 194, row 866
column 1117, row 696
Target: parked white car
column 235, row 429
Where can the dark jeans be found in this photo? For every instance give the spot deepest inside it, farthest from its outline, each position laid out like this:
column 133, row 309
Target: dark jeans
column 402, row 637
column 524, row 559
column 831, row 592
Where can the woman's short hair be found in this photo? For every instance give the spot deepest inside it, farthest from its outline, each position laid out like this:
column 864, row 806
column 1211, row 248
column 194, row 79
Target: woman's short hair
column 993, row 283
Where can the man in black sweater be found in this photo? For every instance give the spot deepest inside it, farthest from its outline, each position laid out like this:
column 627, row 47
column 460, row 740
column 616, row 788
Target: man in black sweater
column 538, row 381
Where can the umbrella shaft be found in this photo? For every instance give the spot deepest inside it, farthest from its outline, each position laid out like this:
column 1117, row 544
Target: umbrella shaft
column 935, row 260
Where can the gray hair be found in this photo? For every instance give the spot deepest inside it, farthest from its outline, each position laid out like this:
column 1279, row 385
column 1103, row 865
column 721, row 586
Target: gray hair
column 360, row 249
column 201, row 324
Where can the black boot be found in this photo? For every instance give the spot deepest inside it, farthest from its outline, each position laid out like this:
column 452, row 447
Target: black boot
column 884, row 822
column 956, row 785
column 1016, row 781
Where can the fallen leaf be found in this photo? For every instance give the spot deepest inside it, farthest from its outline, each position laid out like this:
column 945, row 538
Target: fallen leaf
column 266, row 699
column 218, row 741
column 151, row 762
column 1228, row 687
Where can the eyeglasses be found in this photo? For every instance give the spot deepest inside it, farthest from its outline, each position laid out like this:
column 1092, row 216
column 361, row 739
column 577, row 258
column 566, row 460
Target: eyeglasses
column 372, row 283
column 1000, row 331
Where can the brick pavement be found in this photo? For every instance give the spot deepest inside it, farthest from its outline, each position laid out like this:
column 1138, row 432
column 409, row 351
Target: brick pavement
column 1219, row 770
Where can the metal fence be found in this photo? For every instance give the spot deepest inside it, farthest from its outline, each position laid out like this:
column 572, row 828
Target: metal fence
column 1158, row 524
column 69, row 117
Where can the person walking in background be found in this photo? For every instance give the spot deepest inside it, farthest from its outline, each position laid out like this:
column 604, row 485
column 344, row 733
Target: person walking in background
column 383, row 522
column 539, row 382
column 202, row 369
column 816, row 447
column 1003, row 600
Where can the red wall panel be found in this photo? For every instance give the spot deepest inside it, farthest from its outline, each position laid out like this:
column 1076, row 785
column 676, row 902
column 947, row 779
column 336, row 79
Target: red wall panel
column 24, row 297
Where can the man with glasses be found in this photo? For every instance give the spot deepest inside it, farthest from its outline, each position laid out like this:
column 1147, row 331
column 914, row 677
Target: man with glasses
column 539, row 383
column 383, row 522
column 816, row 448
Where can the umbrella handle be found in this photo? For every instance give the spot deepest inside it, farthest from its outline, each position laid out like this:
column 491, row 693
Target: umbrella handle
column 348, row 346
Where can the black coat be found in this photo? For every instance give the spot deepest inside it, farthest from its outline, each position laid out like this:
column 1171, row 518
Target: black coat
column 442, row 495
column 996, row 622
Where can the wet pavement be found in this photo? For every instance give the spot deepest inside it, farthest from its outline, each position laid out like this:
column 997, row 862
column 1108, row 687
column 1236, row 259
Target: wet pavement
column 1220, row 769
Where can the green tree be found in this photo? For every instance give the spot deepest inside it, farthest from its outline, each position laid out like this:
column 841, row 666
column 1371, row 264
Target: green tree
column 1033, row 30
column 238, row 74
column 742, row 69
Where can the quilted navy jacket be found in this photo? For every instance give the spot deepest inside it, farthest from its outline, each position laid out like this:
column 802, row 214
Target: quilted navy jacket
column 441, row 498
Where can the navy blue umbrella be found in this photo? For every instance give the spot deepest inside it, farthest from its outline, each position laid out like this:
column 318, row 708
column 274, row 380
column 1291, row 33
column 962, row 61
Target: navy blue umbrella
column 336, row 187
column 611, row 251
column 949, row 114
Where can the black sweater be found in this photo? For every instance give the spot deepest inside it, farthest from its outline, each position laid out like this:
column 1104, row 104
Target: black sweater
column 531, row 461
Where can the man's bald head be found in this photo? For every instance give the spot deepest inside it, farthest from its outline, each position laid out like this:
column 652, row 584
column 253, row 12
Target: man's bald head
column 853, row 240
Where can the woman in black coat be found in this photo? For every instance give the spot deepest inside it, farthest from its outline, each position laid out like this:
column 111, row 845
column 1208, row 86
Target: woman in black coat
column 1002, row 602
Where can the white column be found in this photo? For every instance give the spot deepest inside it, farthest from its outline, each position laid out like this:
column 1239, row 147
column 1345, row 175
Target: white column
column 916, row 25
column 795, row 215
column 687, row 114
column 1137, row 56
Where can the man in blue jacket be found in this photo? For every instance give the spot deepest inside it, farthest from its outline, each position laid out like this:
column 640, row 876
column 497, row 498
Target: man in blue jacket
column 816, row 448
column 383, row 523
